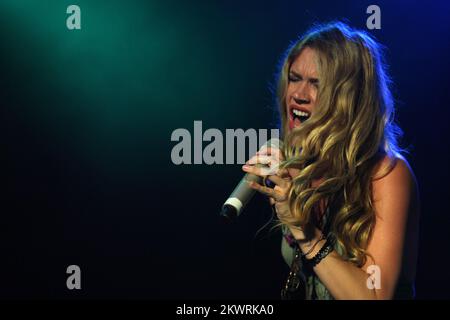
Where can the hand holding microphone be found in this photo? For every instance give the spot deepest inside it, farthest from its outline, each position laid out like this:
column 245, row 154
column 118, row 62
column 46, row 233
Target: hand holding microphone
column 242, row 194
column 280, row 178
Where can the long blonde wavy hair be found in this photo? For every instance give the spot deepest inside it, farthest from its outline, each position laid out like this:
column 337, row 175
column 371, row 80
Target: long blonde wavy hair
column 351, row 129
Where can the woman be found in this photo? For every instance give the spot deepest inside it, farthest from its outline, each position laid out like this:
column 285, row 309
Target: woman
column 346, row 198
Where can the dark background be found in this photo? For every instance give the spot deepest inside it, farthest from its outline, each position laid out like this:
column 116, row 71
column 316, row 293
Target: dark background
column 86, row 120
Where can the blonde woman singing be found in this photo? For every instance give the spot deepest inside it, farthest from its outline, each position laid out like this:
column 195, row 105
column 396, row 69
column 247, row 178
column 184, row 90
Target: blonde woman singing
column 345, row 197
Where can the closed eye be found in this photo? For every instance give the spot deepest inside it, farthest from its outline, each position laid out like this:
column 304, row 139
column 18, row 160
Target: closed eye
column 314, row 82
column 294, row 78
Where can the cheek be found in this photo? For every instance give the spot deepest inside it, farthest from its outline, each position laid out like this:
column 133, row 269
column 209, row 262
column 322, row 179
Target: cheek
column 314, row 96
column 288, row 94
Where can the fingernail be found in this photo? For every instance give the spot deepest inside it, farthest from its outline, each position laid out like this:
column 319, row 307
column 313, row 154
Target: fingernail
column 245, row 167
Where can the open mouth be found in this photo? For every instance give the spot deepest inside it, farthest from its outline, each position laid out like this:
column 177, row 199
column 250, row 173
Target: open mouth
column 297, row 116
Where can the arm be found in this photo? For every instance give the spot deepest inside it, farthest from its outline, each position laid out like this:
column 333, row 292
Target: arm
column 393, row 195
column 394, row 198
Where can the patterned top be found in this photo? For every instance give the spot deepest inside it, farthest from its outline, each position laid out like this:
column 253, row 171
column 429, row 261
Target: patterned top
column 315, row 289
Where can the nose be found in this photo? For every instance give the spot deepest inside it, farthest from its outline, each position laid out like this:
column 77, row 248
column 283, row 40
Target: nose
column 301, row 100
column 301, row 95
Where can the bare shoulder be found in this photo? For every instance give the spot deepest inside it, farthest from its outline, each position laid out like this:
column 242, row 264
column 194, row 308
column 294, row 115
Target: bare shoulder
column 394, row 171
column 394, row 180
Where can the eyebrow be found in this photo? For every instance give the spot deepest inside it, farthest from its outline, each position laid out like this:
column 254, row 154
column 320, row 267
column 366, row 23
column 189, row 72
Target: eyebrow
column 312, row 80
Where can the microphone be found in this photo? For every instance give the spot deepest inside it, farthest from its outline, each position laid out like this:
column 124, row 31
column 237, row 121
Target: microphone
column 242, row 194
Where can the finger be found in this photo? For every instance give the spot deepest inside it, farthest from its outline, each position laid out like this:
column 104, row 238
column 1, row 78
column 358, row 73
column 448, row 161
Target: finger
column 278, row 181
column 259, row 171
column 265, row 190
column 259, row 159
column 293, row 172
column 272, row 161
column 284, row 173
column 276, row 154
column 282, row 193
column 273, row 150
column 288, row 172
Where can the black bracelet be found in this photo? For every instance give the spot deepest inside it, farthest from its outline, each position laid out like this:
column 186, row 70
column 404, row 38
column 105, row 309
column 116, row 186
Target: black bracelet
column 323, row 252
column 313, row 246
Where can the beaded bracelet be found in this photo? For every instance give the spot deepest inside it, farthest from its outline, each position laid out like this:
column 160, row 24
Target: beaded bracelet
column 323, row 252
column 312, row 248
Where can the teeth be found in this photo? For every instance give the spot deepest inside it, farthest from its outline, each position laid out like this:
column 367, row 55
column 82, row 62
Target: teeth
column 300, row 113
